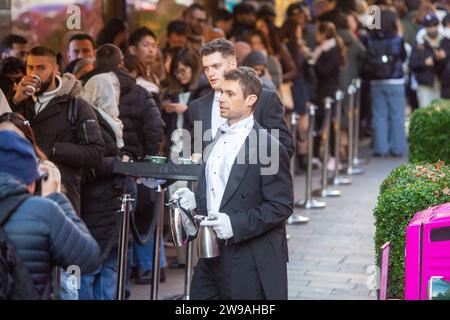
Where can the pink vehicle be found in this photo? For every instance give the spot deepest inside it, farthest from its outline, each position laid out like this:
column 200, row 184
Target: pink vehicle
column 427, row 250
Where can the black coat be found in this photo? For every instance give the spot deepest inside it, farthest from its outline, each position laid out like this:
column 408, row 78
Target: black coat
column 445, row 76
column 140, row 115
column 101, row 192
column 269, row 113
column 71, row 150
column 327, row 69
column 170, row 119
column 257, row 203
column 45, row 232
column 425, row 75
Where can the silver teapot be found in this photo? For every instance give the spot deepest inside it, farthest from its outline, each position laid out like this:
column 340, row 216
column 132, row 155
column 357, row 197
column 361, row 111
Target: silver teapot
column 207, row 246
column 182, row 224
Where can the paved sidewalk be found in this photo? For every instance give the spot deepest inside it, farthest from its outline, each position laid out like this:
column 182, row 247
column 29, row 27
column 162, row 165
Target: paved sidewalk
column 329, row 256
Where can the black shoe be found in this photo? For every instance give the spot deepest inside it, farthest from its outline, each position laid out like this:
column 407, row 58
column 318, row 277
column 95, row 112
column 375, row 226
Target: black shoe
column 380, row 155
column 146, row 277
column 396, row 155
column 176, row 265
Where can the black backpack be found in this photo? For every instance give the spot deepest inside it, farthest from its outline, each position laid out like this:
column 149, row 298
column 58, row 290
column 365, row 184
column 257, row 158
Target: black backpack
column 380, row 59
column 15, row 279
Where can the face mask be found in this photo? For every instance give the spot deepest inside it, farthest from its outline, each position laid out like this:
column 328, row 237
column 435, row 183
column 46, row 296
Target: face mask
column 433, row 34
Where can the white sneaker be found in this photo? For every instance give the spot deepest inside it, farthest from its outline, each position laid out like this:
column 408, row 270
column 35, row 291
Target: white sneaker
column 297, row 219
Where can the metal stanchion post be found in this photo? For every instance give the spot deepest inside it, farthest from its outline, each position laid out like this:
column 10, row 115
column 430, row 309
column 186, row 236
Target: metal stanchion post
column 295, row 218
column 351, row 170
column 123, row 247
column 324, row 190
column 337, row 178
column 157, row 246
column 310, row 203
column 189, row 261
column 356, row 160
column 294, row 139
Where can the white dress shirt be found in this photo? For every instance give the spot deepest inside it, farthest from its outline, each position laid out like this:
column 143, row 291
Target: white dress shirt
column 216, row 119
column 221, row 160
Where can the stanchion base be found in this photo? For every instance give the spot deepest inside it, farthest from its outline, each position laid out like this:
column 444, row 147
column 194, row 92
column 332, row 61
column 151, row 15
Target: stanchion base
column 327, row 192
column 340, row 181
column 360, row 161
column 297, row 219
column 311, row 204
column 354, row 171
column 181, row 296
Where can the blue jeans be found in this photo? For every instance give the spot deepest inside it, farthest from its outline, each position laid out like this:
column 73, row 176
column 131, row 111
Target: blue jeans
column 388, row 118
column 102, row 283
column 67, row 290
column 143, row 255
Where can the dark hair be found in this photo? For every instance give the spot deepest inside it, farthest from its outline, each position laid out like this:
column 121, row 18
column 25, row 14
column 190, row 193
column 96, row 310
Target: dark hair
column 195, row 6
column 9, row 40
column 289, row 34
column 248, row 80
column 274, row 40
column 82, row 36
column 294, row 8
column 110, row 31
column 189, row 57
column 7, row 66
column 328, row 29
column 108, row 55
column 266, row 11
column 132, row 63
column 264, row 40
column 41, row 51
column 21, row 123
column 224, row 46
column 139, row 34
column 11, row 64
column 243, row 8
column 178, row 27
column 223, row 14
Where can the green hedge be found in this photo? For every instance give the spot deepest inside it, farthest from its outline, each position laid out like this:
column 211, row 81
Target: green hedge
column 408, row 189
column 429, row 133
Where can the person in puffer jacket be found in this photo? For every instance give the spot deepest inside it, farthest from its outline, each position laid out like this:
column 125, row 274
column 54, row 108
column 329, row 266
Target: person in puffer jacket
column 44, row 231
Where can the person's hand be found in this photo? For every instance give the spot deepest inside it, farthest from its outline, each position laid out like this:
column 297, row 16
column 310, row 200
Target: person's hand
column 187, row 198
column 175, row 107
column 151, row 183
column 429, row 62
column 53, row 182
column 440, row 54
column 126, row 158
column 21, row 92
column 222, row 225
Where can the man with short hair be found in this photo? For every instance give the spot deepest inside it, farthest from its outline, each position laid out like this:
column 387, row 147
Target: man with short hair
column 80, row 45
column 196, row 18
column 218, row 57
column 176, row 35
column 246, row 205
column 142, row 44
column 65, row 125
column 14, row 45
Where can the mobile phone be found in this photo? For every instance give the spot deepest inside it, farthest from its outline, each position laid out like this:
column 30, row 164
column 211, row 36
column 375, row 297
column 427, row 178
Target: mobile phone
column 43, row 176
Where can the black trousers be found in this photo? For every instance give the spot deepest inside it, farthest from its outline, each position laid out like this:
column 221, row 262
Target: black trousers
column 214, row 278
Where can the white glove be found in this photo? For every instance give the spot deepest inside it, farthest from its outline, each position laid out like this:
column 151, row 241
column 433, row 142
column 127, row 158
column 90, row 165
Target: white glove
column 222, row 225
column 151, row 183
column 187, row 198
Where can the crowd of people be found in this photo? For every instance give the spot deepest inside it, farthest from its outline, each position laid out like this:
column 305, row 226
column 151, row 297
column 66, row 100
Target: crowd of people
column 67, row 117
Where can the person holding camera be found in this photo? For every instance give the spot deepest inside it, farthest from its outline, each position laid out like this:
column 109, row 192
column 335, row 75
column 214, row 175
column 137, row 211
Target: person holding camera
column 43, row 229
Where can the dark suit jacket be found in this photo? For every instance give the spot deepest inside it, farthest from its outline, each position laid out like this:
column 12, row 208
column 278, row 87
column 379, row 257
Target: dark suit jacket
column 269, row 113
column 257, row 205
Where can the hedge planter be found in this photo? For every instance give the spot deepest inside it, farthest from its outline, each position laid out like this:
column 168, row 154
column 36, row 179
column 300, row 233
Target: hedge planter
column 429, row 133
column 408, row 189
